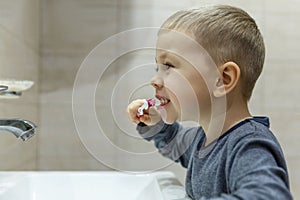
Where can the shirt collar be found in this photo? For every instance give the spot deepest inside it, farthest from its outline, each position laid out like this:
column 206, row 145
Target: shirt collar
column 263, row 120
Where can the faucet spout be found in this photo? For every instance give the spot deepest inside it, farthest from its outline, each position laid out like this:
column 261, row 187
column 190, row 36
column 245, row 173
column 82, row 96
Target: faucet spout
column 19, row 127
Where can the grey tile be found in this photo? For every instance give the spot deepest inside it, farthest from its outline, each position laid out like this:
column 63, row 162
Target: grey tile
column 86, row 24
column 281, row 93
column 21, row 21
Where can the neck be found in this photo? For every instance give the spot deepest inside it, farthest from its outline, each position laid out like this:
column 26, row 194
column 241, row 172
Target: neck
column 236, row 112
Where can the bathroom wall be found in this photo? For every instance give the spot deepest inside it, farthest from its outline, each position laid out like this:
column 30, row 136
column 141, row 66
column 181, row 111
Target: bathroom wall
column 66, row 39
column 47, row 41
column 19, row 60
column 71, row 29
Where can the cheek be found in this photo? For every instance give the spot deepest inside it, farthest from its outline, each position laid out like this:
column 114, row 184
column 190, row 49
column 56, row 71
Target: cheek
column 178, row 87
column 203, row 96
column 183, row 96
column 200, row 87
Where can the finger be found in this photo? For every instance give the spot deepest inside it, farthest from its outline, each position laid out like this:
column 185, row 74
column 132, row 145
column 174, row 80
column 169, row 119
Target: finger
column 144, row 118
column 134, row 106
column 133, row 117
column 132, row 110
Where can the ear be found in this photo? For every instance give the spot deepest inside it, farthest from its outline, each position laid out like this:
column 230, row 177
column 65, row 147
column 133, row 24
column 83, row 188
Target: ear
column 229, row 77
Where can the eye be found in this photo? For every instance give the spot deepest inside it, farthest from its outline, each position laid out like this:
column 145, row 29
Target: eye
column 169, row 65
column 156, row 66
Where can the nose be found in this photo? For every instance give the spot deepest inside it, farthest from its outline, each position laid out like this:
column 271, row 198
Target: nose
column 157, row 82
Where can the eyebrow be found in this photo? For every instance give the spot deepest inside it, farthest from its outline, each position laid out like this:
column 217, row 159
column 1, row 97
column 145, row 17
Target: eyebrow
column 162, row 56
column 166, row 55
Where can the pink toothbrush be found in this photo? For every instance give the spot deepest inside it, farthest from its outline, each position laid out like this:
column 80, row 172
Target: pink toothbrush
column 147, row 104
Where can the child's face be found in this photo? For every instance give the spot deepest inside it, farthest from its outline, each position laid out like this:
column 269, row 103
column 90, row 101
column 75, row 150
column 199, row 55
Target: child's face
column 183, row 78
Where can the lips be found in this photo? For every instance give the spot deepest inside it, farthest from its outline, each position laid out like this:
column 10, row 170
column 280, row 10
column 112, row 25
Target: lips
column 163, row 100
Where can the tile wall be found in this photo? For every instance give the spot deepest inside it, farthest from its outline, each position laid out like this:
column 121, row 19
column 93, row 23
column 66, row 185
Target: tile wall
column 66, row 39
column 19, row 60
column 70, row 29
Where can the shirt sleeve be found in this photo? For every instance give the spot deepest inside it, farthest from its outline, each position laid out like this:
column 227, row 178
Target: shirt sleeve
column 172, row 140
column 257, row 170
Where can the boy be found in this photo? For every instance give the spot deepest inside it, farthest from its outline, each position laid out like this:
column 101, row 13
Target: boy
column 232, row 155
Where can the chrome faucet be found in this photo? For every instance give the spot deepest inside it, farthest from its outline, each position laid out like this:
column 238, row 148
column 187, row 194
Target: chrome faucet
column 19, row 127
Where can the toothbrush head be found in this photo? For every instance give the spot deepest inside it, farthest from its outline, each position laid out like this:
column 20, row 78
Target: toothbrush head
column 147, row 104
column 151, row 102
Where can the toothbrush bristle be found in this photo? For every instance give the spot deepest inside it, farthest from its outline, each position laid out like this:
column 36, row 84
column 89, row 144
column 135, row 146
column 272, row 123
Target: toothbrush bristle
column 151, row 102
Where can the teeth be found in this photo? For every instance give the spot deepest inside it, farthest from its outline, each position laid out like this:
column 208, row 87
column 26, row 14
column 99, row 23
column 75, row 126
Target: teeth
column 163, row 101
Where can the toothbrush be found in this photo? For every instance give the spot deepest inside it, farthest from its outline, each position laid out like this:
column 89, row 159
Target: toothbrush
column 147, row 104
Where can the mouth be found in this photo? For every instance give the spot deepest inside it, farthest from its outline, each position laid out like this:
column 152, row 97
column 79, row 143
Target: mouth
column 163, row 100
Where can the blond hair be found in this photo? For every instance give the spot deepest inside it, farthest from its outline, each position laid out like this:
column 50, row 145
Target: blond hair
column 228, row 34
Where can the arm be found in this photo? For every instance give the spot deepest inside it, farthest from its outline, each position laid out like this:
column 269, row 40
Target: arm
column 173, row 141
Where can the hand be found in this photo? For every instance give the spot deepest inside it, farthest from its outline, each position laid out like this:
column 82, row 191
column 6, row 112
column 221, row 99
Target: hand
column 150, row 117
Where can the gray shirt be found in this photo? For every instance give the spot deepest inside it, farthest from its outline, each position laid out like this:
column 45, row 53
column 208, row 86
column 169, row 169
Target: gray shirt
column 246, row 162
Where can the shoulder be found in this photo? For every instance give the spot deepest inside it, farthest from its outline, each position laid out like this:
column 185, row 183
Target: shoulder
column 255, row 161
column 253, row 146
column 253, row 128
column 253, row 133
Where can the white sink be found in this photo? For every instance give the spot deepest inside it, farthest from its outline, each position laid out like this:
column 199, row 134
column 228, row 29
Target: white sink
column 89, row 185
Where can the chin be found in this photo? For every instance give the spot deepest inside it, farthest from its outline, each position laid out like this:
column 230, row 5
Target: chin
column 166, row 121
column 169, row 119
column 168, row 114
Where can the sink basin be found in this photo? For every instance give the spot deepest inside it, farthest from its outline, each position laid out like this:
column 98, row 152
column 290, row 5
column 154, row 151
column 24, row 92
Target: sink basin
column 89, row 185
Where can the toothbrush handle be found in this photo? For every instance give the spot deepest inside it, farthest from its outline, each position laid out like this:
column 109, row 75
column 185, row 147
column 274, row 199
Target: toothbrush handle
column 142, row 108
column 147, row 104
